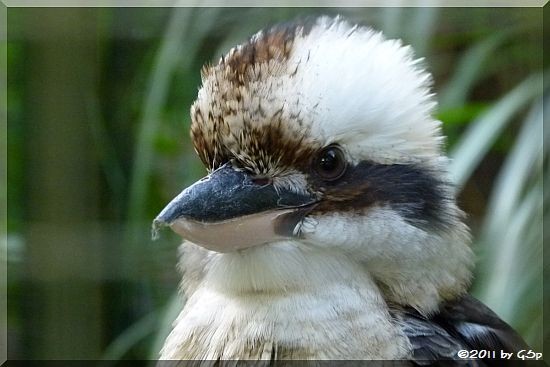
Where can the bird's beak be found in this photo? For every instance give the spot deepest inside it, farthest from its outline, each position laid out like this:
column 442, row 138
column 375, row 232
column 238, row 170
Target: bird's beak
column 227, row 210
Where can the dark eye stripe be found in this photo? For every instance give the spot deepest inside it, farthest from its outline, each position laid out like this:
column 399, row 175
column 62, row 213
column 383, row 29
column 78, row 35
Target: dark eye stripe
column 413, row 191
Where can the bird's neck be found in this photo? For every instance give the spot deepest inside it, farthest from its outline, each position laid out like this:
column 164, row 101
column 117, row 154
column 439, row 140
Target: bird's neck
column 282, row 301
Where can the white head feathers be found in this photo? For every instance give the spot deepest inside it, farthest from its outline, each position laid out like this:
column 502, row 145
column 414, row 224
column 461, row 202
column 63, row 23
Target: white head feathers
column 328, row 82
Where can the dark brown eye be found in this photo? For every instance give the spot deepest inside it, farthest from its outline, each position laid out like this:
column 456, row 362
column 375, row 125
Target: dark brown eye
column 330, row 163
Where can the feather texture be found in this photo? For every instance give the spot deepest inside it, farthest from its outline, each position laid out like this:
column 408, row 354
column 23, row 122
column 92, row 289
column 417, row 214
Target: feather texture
column 379, row 266
column 462, row 324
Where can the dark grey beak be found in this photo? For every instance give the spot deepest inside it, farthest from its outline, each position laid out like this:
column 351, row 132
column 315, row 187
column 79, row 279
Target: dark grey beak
column 232, row 200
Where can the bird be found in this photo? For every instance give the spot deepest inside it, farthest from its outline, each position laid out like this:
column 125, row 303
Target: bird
column 327, row 226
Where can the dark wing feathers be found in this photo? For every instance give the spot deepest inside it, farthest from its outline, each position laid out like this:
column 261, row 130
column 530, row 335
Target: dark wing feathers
column 432, row 344
column 461, row 324
column 478, row 326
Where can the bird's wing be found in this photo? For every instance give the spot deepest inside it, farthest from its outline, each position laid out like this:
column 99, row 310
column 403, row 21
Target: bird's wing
column 462, row 324
column 477, row 326
column 431, row 344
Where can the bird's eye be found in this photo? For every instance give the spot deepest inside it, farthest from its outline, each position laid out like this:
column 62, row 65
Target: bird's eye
column 330, row 164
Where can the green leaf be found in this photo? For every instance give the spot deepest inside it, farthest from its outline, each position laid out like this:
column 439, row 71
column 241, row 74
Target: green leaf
column 481, row 134
column 469, row 70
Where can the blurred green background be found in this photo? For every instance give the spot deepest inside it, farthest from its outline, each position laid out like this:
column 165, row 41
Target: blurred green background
column 98, row 119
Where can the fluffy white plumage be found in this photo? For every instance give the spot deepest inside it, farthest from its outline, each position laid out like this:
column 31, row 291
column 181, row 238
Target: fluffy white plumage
column 326, row 294
column 366, row 92
column 347, row 84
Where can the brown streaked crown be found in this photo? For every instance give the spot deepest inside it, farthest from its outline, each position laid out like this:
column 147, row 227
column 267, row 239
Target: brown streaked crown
column 242, row 112
column 267, row 45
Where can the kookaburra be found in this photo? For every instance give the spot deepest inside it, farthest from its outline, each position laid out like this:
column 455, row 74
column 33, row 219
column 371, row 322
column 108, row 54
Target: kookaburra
column 326, row 227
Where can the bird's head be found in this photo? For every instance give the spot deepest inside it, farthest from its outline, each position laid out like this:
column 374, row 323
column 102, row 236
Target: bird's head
column 321, row 133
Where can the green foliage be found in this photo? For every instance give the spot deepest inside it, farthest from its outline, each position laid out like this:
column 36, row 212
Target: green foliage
column 483, row 131
column 488, row 77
